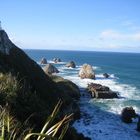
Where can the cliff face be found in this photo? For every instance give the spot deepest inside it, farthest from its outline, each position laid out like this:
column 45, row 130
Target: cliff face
column 13, row 60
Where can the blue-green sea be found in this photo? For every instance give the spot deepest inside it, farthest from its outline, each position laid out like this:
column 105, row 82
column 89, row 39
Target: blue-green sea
column 124, row 70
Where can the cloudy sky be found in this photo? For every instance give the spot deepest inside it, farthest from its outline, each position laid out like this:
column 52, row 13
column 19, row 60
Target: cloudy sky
column 97, row 25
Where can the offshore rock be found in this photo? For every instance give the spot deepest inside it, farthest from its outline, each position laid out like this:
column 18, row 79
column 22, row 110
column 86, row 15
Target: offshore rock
column 50, row 69
column 87, row 72
column 71, row 64
column 127, row 114
column 106, row 75
column 56, row 60
column 43, row 61
column 99, row 91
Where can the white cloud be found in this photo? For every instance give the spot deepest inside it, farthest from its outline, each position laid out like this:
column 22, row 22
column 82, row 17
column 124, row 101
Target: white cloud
column 116, row 35
column 128, row 23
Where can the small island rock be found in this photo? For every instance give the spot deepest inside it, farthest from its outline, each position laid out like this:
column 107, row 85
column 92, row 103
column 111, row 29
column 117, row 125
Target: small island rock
column 127, row 114
column 87, row 72
column 106, row 75
column 71, row 64
column 56, row 60
column 43, row 61
column 50, row 69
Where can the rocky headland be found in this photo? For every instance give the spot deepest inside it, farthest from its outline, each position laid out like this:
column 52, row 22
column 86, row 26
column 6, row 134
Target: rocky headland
column 38, row 92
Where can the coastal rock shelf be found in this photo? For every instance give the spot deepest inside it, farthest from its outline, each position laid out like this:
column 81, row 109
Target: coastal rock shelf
column 99, row 91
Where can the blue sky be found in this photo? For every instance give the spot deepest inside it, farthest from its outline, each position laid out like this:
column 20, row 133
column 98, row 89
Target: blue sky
column 98, row 25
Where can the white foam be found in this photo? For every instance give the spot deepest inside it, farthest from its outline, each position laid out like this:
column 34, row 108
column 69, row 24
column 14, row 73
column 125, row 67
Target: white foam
column 100, row 125
column 100, row 118
column 94, row 67
column 52, row 62
column 103, row 121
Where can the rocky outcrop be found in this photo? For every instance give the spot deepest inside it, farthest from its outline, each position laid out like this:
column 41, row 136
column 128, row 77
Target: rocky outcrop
column 69, row 87
column 56, row 60
column 127, row 114
column 50, row 69
column 99, row 91
column 87, row 72
column 106, row 75
column 43, row 61
column 68, row 90
column 71, row 64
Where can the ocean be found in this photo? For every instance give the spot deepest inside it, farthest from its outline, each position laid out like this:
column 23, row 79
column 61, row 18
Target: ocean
column 101, row 117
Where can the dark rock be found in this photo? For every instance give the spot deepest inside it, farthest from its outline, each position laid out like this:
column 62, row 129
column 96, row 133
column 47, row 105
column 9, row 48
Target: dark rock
column 69, row 90
column 87, row 72
column 50, row 69
column 69, row 87
column 13, row 60
column 127, row 114
column 99, row 91
column 106, row 75
column 71, row 64
column 43, row 61
column 138, row 124
column 56, row 60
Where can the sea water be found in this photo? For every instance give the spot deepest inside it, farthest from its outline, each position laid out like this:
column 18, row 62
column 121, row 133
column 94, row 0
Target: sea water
column 100, row 118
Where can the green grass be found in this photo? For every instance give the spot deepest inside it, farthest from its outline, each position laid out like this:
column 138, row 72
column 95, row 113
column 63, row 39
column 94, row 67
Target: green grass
column 11, row 129
column 15, row 96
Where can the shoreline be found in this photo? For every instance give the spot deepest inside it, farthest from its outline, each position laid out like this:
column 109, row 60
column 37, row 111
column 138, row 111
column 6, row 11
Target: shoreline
column 98, row 122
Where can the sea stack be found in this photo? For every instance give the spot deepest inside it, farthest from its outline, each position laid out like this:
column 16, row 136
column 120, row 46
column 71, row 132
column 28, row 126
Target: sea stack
column 50, row 69
column 43, row 61
column 71, row 64
column 87, row 72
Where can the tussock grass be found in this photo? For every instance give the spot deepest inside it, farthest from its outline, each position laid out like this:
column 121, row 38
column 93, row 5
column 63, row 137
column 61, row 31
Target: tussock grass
column 9, row 86
column 13, row 91
column 55, row 132
column 11, row 129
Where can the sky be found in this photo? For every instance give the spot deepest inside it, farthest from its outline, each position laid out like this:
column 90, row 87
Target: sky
column 91, row 25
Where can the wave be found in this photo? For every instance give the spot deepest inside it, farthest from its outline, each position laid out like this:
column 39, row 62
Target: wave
column 100, row 117
column 52, row 62
column 99, row 125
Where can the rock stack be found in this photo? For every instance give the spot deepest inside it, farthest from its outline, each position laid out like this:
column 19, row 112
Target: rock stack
column 87, row 72
column 99, row 91
column 43, row 61
column 50, row 69
column 56, row 60
column 71, row 64
column 127, row 114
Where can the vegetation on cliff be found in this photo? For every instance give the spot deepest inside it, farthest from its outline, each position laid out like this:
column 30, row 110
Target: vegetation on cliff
column 30, row 93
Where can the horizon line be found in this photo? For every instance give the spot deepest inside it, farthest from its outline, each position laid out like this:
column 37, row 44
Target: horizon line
column 80, row 50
